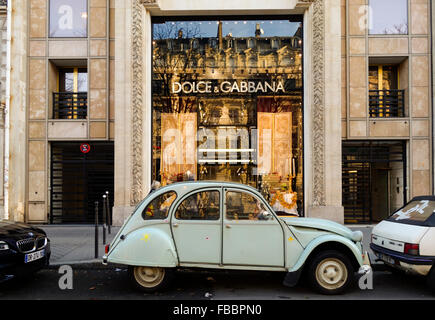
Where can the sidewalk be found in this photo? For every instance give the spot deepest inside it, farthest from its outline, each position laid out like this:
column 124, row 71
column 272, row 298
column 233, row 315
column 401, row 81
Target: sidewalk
column 75, row 244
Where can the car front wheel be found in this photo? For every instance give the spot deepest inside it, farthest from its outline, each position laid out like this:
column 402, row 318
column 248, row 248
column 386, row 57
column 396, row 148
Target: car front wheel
column 330, row 272
column 149, row 279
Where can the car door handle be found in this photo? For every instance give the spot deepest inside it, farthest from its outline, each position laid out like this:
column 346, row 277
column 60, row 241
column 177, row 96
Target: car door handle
column 227, row 226
column 175, row 225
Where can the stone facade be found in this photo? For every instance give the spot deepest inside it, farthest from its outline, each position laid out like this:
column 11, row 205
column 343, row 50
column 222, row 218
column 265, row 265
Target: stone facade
column 117, row 55
column 3, row 72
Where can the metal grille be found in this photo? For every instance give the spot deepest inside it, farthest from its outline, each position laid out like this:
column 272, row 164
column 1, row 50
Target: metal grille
column 26, row 245
column 386, row 103
column 69, row 105
column 358, row 161
column 78, row 180
column 41, row 242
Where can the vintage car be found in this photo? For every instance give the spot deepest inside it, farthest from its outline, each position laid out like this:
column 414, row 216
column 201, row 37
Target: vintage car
column 24, row 249
column 406, row 240
column 230, row 226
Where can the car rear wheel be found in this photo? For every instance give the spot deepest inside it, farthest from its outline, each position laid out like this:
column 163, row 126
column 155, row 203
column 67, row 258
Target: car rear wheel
column 150, row 279
column 330, row 272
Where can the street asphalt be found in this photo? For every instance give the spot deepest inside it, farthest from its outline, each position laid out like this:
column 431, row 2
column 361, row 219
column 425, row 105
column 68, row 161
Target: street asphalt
column 75, row 244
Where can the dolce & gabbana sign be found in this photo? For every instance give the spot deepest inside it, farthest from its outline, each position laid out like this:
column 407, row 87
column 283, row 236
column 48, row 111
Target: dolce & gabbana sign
column 228, row 86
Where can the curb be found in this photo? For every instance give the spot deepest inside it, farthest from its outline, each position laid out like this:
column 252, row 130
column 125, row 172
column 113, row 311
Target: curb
column 81, row 265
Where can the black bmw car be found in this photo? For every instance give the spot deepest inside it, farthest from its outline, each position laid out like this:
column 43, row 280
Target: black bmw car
column 24, row 249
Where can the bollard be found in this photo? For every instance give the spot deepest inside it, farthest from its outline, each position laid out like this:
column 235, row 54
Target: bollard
column 109, row 214
column 104, row 219
column 96, row 229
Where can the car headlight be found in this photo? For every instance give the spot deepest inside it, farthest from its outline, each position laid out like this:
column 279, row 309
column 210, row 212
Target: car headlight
column 3, row 246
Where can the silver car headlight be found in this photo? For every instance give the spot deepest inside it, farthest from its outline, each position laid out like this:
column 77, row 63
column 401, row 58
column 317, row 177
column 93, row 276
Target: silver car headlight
column 3, row 246
column 357, row 236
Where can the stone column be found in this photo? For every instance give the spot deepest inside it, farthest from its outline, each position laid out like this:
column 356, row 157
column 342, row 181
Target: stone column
column 133, row 119
column 17, row 112
column 322, row 96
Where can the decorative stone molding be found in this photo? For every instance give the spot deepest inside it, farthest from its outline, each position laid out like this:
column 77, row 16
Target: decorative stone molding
column 137, row 100
column 150, row 3
column 318, row 109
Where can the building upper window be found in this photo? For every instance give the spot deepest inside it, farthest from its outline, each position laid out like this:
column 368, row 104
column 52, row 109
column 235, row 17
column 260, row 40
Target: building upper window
column 388, row 16
column 68, row 18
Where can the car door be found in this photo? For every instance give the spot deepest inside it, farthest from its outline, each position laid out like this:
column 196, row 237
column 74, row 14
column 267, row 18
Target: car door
column 251, row 234
column 197, row 227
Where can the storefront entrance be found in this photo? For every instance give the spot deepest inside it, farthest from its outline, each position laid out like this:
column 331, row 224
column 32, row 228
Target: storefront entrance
column 228, row 104
column 374, row 179
column 81, row 173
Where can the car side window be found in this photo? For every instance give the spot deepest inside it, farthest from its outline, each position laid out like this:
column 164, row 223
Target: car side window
column 243, row 206
column 159, row 207
column 199, row 206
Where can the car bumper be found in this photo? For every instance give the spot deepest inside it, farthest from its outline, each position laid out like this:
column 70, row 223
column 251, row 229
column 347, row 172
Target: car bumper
column 420, row 265
column 12, row 264
column 366, row 267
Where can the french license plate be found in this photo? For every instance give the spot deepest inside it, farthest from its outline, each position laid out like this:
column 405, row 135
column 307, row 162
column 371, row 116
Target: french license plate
column 34, row 256
column 387, row 259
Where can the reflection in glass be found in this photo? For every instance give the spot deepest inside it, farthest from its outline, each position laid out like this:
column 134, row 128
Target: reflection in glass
column 200, row 206
column 243, row 206
column 159, row 207
column 388, row 16
column 227, row 105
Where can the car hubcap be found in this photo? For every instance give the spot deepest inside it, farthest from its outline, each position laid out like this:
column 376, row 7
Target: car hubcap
column 331, row 273
column 149, row 277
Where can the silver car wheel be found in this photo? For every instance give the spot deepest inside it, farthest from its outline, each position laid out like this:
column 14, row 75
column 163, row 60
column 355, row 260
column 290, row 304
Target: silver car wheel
column 331, row 273
column 149, row 277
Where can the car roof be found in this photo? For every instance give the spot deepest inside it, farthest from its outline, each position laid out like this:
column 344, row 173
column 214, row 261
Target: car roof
column 419, row 198
column 189, row 186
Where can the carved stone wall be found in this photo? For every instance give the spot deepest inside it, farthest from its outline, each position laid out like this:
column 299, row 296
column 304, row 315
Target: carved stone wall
column 137, row 100
column 318, row 73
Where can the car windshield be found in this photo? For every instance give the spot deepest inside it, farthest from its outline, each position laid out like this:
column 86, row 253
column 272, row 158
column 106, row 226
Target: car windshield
column 418, row 212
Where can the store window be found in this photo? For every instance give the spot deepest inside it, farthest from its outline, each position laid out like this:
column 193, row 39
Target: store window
column 227, row 104
column 388, row 16
column 200, row 206
column 243, row 206
column 159, row 207
column 68, row 18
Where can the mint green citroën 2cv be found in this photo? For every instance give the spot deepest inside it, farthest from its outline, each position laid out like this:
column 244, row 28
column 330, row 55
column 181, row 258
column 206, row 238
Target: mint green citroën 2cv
column 221, row 225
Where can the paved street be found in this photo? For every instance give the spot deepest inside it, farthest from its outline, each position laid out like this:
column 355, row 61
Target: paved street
column 103, row 283
column 71, row 244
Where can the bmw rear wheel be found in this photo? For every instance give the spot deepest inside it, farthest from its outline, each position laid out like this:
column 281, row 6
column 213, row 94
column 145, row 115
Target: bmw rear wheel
column 149, row 279
column 330, row 272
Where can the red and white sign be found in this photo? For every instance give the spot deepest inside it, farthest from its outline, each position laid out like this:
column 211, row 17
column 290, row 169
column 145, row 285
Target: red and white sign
column 85, row 148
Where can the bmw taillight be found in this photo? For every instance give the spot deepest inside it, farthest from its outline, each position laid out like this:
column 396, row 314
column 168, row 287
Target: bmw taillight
column 412, row 249
column 106, row 249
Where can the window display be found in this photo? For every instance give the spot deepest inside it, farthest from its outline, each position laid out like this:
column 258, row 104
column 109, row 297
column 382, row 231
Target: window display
column 227, row 105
